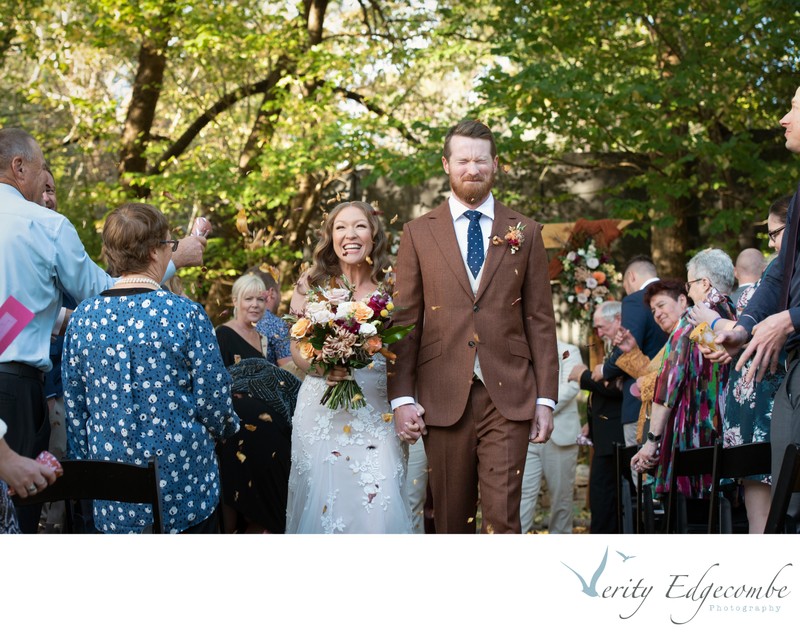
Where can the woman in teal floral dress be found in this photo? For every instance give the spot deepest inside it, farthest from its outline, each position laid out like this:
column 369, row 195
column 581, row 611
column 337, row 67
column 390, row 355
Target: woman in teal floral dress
column 686, row 409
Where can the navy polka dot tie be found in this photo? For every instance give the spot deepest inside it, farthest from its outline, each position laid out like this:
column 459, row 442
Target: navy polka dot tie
column 474, row 242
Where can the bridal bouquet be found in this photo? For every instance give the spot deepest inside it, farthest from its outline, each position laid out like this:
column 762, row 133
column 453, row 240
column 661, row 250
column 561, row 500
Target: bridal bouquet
column 336, row 330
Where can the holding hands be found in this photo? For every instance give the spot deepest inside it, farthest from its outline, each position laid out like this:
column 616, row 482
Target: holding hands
column 408, row 423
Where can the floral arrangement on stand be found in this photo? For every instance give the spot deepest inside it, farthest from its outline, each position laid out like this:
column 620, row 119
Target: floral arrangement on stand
column 588, row 278
column 336, row 330
column 584, row 270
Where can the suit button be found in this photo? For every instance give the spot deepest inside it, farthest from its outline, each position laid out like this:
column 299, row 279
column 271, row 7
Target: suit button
column 475, row 308
column 471, row 343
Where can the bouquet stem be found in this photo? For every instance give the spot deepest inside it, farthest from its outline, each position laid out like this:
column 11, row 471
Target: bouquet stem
column 346, row 394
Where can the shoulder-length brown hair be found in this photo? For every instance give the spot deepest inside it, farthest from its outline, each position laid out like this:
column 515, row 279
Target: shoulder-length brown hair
column 325, row 263
column 130, row 233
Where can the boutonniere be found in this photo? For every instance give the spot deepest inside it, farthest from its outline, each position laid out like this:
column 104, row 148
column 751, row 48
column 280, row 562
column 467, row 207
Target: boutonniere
column 514, row 237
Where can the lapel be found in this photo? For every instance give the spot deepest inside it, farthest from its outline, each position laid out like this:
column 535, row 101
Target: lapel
column 444, row 236
column 495, row 254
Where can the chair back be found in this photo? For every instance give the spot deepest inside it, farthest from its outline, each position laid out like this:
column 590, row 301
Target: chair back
column 629, row 516
column 105, row 480
column 788, row 483
column 692, row 462
column 738, row 461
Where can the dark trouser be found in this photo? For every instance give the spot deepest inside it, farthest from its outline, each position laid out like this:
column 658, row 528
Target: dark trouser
column 603, row 494
column 24, row 409
column 785, row 425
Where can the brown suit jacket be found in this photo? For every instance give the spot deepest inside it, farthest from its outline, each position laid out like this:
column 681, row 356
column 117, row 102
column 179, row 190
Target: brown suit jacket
column 509, row 323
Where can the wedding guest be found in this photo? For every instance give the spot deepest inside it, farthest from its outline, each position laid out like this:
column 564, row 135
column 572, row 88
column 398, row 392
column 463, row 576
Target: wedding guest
column 556, row 460
column 686, row 411
column 749, row 404
column 143, row 377
column 749, row 266
column 604, row 427
column 668, row 301
column 274, row 328
column 41, row 257
column 348, row 465
column 254, row 463
column 640, row 272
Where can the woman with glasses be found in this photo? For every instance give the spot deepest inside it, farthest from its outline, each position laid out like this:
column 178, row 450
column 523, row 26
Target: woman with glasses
column 143, row 377
column 686, row 410
column 748, row 405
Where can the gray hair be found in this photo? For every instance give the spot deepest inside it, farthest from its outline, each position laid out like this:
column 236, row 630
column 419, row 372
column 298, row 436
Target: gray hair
column 15, row 142
column 609, row 310
column 716, row 266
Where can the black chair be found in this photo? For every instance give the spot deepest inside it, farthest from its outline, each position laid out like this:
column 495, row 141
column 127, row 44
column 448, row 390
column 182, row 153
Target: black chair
column 688, row 515
column 788, row 483
column 105, row 480
column 736, row 462
column 628, row 503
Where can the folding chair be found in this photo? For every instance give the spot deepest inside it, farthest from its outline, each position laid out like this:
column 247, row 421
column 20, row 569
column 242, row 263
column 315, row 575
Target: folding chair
column 685, row 515
column 104, row 480
column 788, row 483
column 736, row 462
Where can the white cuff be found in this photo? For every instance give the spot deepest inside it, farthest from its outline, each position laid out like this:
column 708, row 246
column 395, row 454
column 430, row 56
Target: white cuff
column 544, row 401
column 3, row 428
column 402, row 401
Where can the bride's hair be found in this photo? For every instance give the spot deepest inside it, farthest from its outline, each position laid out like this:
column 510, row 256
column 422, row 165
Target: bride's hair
column 325, row 263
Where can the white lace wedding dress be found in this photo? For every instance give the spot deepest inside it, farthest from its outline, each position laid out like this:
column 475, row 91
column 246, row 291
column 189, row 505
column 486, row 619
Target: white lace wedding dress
column 348, row 467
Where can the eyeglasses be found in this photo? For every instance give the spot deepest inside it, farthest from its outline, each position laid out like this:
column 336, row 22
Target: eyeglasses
column 172, row 242
column 773, row 234
column 688, row 284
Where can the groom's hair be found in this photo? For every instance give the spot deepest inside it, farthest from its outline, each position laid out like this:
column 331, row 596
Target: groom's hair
column 470, row 129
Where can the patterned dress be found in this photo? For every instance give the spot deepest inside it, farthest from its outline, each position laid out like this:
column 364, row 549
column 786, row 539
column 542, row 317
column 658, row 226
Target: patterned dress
column 692, row 387
column 348, row 467
column 143, row 377
column 748, row 406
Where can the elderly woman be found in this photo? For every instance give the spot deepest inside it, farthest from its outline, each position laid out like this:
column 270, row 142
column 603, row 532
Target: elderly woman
column 688, row 391
column 748, row 404
column 255, row 462
column 668, row 301
column 143, row 377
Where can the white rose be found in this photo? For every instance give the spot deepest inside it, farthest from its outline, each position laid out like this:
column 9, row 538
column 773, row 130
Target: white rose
column 345, row 309
column 591, row 283
column 571, row 255
column 336, row 295
column 367, row 329
column 321, row 317
column 592, row 262
column 582, row 298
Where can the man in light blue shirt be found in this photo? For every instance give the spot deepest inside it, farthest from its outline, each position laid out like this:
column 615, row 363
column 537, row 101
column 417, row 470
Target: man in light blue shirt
column 41, row 256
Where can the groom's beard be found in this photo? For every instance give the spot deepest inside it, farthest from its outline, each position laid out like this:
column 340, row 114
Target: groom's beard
column 472, row 191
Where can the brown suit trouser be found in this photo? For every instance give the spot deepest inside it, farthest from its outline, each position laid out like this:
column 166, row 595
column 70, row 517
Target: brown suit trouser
column 482, row 450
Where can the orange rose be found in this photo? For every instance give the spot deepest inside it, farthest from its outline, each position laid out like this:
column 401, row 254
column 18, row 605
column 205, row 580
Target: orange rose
column 300, row 328
column 362, row 312
column 600, row 277
column 373, row 345
column 307, row 351
column 578, row 289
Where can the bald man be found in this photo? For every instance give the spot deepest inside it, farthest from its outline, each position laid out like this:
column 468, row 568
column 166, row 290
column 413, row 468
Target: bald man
column 750, row 265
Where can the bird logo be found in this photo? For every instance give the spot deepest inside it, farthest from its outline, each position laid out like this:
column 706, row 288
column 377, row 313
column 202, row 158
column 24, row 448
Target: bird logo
column 591, row 588
column 625, row 558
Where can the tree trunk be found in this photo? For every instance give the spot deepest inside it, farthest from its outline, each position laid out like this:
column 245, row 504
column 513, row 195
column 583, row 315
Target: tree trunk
column 668, row 245
column 144, row 99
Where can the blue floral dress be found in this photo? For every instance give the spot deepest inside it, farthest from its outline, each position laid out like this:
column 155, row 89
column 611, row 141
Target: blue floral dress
column 143, row 377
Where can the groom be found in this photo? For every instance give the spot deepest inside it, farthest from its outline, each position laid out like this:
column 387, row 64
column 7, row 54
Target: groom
column 481, row 360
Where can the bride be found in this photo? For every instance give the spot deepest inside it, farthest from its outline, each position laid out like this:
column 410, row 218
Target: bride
column 348, row 466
